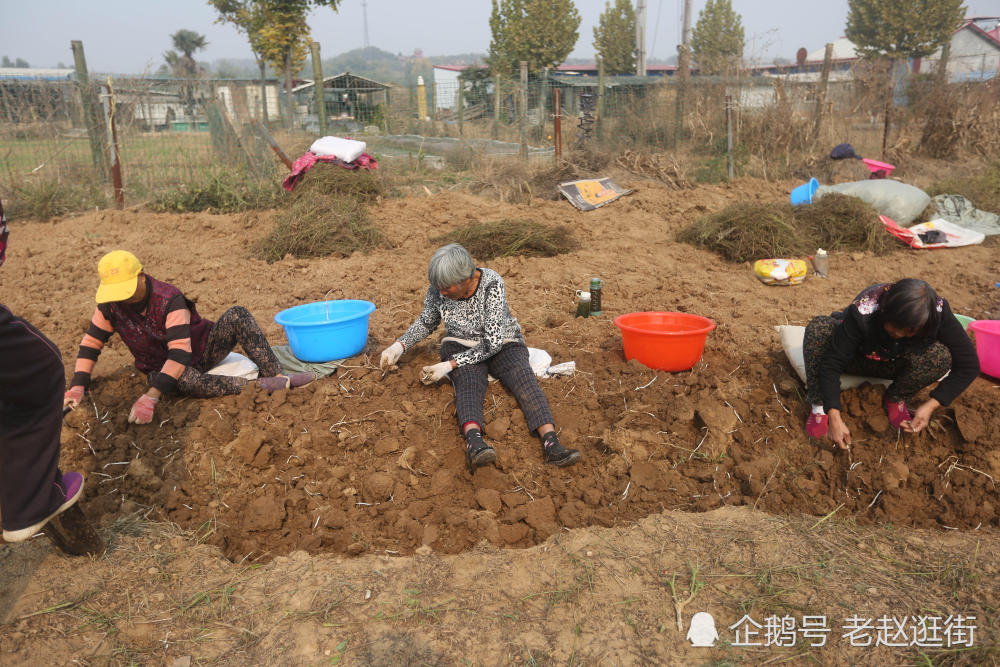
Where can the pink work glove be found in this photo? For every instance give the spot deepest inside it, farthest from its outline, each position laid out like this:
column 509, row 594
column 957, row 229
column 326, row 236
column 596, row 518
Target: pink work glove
column 73, row 397
column 142, row 410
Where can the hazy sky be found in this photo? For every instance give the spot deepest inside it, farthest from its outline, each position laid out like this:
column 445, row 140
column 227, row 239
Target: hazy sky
column 130, row 36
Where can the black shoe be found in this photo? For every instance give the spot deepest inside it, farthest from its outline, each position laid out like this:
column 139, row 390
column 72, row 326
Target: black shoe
column 555, row 453
column 477, row 452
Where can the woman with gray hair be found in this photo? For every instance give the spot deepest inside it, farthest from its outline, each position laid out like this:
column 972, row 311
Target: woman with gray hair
column 482, row 339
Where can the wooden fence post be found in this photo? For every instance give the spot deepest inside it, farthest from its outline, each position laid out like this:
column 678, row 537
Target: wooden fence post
column 90, row 113
column 318, row 87
column 116, row 166
column 824, row 81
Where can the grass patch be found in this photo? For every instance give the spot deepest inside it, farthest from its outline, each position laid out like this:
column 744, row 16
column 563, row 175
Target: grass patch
column 747, row 232
column 220, row 191
column 318, row 226
column 982, row 188
column 506, row 238
column 50, row 198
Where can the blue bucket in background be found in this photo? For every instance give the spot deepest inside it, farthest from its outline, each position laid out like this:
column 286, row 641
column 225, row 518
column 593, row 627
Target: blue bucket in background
column 326, row 330
column 804, row 193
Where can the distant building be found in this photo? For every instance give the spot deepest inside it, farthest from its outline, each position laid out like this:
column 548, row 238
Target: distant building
column 974, row 53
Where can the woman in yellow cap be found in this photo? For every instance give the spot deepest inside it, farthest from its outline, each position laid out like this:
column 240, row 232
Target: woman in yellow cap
column 170, row 341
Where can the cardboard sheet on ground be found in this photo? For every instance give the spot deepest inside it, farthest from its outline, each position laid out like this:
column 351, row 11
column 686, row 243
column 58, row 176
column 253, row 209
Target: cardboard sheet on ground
column 589, row 194
column 955, row 236
column 791, row 343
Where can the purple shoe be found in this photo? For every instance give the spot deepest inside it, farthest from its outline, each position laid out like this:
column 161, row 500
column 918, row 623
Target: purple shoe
column 71, row 487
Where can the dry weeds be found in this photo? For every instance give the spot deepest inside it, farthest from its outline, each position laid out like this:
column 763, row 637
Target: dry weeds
column 508, row 238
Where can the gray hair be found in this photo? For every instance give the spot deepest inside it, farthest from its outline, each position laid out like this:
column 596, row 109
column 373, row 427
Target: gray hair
column 450, row 265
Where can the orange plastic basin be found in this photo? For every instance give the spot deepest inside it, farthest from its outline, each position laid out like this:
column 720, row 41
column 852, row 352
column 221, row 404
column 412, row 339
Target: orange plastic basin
column 665, row 341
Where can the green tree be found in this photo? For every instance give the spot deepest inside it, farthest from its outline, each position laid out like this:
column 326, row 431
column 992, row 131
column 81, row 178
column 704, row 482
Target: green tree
column 614, row 37
column 249, row 18
column 717, row 39
column 900, row 29
column 277, row 31
column 541, row 32
column 187, row 42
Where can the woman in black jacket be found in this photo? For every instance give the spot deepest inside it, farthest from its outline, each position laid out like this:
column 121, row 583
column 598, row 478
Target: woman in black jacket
column 901, row 331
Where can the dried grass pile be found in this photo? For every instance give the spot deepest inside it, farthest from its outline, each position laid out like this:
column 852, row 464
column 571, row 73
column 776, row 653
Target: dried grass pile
column 841, row 223
column 506, row 238
column 334, row 180
column 747, row 232
column 328, row 215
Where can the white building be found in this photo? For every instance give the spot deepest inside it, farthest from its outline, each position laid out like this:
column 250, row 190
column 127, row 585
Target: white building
column 975, row 51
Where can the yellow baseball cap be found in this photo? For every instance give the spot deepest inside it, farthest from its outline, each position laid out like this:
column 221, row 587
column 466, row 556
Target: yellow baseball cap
column 119, row 271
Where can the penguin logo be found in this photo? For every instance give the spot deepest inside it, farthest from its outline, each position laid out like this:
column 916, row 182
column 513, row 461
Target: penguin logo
column 702, row 631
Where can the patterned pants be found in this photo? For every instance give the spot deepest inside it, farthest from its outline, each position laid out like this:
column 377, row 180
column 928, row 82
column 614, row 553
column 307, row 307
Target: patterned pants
column 236, row 325
column 510, row 366
column 911, row 372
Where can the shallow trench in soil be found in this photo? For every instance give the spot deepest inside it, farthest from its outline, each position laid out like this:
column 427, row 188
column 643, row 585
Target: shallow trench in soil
column 344, row 465
column 361, row 463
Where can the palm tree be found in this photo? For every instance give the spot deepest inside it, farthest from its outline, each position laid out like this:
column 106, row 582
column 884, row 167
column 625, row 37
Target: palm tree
column 187, row 42
column 184, row 65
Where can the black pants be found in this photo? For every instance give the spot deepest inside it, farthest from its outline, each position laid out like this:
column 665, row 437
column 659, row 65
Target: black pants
column 510, row 366
column 32, row 383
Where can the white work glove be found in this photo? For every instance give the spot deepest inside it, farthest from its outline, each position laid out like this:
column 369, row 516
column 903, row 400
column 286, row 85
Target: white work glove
column 435, row 373
column 391, row 355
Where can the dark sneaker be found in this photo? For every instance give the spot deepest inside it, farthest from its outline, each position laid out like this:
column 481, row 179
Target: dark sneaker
column 71, row 487
column 477, row 452
column 555, row 453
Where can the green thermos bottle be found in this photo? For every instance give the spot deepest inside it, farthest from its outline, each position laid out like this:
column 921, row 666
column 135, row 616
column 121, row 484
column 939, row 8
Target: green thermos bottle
column 595, row 296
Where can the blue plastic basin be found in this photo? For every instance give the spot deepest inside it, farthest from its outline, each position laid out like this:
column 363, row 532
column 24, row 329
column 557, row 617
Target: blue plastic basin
column 327, row 330
column 804, row 193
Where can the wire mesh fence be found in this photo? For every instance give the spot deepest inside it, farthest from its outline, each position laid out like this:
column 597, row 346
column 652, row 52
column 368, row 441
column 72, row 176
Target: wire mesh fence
column 168, row 133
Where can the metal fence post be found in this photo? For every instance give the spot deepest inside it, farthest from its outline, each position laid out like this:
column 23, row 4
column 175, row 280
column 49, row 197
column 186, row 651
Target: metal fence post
column 461, row 108
column 600, row 98
column 557, row 121
column 729, row 136
column 319, row 88
column 523, row 111
column 497, row 95
column 90, row 113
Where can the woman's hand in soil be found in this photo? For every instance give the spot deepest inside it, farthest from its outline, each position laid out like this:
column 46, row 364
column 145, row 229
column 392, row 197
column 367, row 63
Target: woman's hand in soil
column 391, row 355
column 839, row 432
column 73, row 397
column 142, row 410
column 921, row 417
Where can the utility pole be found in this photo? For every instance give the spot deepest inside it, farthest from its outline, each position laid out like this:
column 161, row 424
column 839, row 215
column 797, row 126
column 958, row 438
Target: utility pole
column 640, row 37
column 364, row 13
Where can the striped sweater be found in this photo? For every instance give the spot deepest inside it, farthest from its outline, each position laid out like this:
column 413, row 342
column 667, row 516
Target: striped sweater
column 165, row 334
